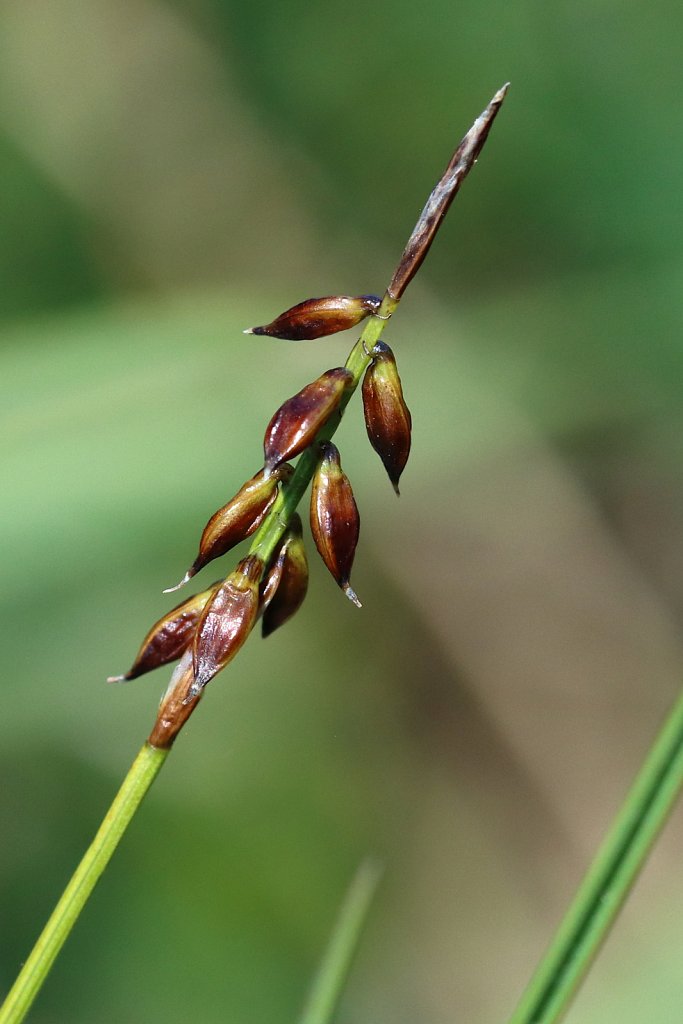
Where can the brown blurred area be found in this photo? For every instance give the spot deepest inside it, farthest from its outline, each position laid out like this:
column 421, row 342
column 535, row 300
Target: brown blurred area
column 174, row 172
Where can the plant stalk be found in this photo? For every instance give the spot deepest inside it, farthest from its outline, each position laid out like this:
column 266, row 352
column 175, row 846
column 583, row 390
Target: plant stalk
column 608, row 880
column 137, row 782
column 179, row 703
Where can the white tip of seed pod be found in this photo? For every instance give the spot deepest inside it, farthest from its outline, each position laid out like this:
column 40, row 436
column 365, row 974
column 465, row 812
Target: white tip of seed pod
column 186, row 578
column 249, row 330
column 352, row 595
column 116, row 679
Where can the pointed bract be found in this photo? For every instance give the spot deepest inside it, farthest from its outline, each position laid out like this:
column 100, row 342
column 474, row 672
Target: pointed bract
column 298, row 420
column 335, row 522
column 286, row 580
column 226, row 621
column 387, row 417
column 241, row 517
column 169, row 637
column 316, row 318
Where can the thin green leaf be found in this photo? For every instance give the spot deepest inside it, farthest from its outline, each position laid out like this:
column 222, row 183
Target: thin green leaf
column 609, row 879
column 336, row 963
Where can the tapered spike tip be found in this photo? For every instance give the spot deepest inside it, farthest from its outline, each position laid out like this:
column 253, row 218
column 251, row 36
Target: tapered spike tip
column 352, row 595
column 186, row 579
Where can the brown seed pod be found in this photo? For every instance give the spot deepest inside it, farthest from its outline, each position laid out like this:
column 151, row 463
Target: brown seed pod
column 226, row 621
column 286, row 580
column 238, row 519
column 299, row 419
column 315, row 318
column 169, row 637
column 387, row 417
column 335, row 522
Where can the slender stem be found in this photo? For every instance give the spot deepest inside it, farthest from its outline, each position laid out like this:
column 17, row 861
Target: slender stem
column 142, row 773
column 175, row 708
column 609, row 879
column 329, row 981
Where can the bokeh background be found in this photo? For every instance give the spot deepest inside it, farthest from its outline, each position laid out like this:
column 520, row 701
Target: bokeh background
column 172, row 172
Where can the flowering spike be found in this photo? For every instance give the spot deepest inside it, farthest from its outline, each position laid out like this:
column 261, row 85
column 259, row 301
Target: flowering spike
column 169, row 637
column 298, row 420
column 387, row 417
column 315, row 318
column 335, row 522
column 238, row 519
column 286, row 581
column 226, row 622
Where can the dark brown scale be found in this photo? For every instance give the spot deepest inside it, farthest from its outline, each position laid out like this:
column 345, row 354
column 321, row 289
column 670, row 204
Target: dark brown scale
column 316, row 318
column 241, row 517
column 226, row 622
column 298, row 420
column 335, row 522
column 387, row 417
column 168, row 638
column 286, row 581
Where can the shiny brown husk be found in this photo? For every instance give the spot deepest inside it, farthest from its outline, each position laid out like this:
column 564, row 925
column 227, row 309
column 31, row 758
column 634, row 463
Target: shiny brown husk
column 298, row 420
column 387, row 417
column 226, row 621
column 169, row 637
column 335, row 522
column 316, row 318
column 286, row 580
column 241, row 517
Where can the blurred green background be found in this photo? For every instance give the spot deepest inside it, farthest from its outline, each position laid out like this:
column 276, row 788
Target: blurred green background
column 172, row 172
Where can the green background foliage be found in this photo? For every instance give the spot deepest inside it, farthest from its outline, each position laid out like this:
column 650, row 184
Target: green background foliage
column 171, row 173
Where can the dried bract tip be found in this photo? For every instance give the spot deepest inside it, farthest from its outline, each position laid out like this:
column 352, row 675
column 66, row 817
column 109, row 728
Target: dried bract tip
column 226, row 622
column 298, row 420
column 387, row 417
column 335, row 522
column 352, row 595
column 286, row 580
column 169, row 637
column 316, row 318
column 238, row 519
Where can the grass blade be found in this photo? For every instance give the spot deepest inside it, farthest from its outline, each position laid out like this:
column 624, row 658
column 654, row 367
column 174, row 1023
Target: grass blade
column 336, row 963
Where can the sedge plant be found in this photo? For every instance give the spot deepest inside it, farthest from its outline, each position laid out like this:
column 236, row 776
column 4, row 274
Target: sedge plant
column 205, row 631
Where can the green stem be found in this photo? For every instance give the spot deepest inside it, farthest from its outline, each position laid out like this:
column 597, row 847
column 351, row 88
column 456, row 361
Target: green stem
column 609, row 879
column 151, row 758
column 329, row 981
column 142, row 773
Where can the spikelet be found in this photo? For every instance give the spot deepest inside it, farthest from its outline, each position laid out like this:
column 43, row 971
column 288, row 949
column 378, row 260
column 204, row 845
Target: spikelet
column 335, row 522
column 169, row 637
column 226, row 622
column 298, row 420
column 387, row 417
column 316, row 318
column 285, row 582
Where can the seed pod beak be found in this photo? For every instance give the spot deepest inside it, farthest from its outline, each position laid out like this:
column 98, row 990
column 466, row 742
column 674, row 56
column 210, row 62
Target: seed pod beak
column 186, row 579
column 352, row 595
